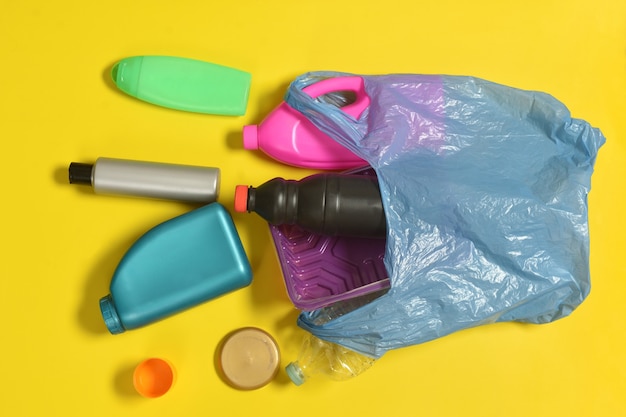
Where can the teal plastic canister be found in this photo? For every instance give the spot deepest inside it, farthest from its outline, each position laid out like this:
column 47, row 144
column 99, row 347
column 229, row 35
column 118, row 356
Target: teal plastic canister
column 178, row 264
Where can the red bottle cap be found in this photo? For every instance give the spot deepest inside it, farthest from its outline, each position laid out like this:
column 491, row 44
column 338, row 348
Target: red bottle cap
column 241, row 198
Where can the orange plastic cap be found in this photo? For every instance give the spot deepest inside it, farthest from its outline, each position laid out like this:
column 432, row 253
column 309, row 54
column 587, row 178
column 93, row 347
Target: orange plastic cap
column 153, row 377
column 241, row 198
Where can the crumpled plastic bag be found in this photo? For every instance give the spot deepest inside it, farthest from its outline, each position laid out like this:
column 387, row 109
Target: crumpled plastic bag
column 485, row 192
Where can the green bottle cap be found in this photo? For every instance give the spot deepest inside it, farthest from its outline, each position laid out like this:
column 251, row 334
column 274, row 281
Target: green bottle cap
column 184, row 84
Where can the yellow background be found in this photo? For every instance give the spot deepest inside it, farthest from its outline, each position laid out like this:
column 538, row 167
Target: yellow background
column 61, row 243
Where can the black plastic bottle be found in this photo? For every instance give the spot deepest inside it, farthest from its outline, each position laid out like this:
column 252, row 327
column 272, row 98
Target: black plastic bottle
column 327, row 203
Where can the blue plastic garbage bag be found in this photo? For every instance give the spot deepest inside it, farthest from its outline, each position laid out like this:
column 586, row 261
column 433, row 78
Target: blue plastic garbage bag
column 485, row 192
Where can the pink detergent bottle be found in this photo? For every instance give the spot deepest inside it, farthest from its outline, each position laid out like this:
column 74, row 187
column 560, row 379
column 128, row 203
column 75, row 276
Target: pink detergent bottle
column 289, row 137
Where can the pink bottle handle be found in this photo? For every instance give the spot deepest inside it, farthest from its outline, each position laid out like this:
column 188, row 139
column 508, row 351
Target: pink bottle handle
column 343, row 83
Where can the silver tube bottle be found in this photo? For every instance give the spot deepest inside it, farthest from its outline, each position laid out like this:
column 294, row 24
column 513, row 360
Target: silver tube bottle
column 148, row 179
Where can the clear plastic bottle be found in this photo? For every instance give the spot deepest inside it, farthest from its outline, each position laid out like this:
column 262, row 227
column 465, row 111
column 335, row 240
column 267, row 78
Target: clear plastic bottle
column 318, row 356
column 338, row 309
column 321, row 357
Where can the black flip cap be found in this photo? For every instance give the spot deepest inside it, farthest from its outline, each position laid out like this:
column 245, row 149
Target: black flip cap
column 80, row 173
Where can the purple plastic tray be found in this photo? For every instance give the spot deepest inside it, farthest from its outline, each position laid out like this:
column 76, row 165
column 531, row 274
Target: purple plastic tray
column 320, row 270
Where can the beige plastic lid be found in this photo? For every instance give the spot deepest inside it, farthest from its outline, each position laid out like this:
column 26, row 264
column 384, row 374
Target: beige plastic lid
column 249, row 358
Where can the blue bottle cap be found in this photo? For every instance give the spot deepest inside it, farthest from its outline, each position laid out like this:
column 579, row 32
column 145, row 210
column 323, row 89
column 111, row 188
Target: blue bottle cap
column 295, row 373
column 111, row 319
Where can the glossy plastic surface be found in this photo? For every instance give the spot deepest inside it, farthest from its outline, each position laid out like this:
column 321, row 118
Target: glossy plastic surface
column 289, row 137
column 319, row 270
column 319, row 357
column 149, row 179
column 153, row 377
column 331, row 204
column 178, row 264
column 485, row 190
column 184, row 84
column 62, row 243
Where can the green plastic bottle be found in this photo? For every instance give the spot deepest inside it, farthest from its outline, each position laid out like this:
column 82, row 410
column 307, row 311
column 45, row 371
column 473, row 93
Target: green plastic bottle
column 184, row 84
